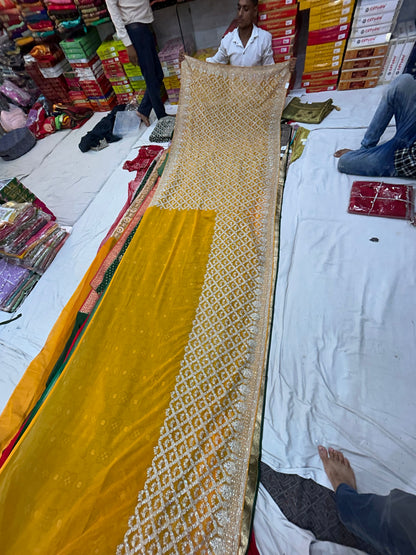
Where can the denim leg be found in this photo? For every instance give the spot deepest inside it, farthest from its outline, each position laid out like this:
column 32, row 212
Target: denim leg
column 143, row 41
column 362, row 514
column 377, row 161
column 399, row 100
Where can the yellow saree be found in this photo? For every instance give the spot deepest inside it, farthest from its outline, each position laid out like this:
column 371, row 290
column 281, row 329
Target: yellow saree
column 147, row 441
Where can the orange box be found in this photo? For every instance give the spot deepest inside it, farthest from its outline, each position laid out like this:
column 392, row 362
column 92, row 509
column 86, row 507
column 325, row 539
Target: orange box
column 320, row 74
column 266, row 6
column 319, row 88
column 320, row 82
column 352, row 84
column 372, row 51
column 363, row 63
column 285, row 13
column 370, row 73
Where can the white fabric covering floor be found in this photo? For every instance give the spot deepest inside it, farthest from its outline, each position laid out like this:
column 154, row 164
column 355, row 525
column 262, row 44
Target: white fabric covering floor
column 343, row 340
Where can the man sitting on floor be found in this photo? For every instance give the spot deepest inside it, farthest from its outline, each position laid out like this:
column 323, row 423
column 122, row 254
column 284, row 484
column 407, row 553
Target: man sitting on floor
column 397, row 157
column 247, row 45
column 386, row 522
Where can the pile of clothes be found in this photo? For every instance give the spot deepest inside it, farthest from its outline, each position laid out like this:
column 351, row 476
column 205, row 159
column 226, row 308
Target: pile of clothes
column 30, row 238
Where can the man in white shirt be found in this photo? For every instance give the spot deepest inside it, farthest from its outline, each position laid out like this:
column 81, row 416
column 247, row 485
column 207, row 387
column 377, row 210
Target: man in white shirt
column 132, row 19
column 247, row 45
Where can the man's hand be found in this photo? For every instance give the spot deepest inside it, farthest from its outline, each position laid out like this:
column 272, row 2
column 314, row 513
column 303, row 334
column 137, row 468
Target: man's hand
column 132, row 54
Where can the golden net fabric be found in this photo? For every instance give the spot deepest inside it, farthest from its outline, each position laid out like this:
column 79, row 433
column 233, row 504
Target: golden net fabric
column 225, row 158
column 148, row 438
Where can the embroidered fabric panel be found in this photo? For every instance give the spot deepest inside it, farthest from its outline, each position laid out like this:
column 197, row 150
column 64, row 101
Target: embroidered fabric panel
column 224, row 157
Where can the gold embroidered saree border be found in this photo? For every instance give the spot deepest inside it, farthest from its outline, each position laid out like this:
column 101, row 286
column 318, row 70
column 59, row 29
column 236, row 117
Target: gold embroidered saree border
column 253, row 471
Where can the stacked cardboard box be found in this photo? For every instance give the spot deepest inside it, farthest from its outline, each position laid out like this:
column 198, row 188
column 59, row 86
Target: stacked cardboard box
column 279, row 18
column 126, row 79
column 170, row 59
column 81, row 54
column 329, row 25
column 400, row 48
column 368, row 43
column 47, row 71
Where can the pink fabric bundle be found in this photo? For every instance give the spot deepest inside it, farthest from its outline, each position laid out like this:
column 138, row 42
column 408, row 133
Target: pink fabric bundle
column 15, row 118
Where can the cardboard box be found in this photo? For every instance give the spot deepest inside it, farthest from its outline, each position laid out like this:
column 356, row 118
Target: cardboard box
column 375, row 8
column 364, row 63
column 320, row 74
column 353, row 53
column 329, row 34
column 326, row 49
column 369, row 42
column 374, row 19
column 308, row 4
column 353, row 84
column 371, row 30
column 327, row 11
column 285, row 13
column 321, row 88
column 265, row 5
column 401, row 64
column 320, row 82
column 355, row 74
column 283, row 41
column 315, row 24
column 321, row 65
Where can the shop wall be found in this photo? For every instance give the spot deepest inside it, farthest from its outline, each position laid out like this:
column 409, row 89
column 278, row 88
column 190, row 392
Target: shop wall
column 205, row 19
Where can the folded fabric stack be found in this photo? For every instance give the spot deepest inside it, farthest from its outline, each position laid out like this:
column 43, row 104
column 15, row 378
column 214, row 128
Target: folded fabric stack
column 12, row 69
column 76, row 94
column 93, row 12
column 65, row 15
column 10, row 19
column 87, row 67
column 125, row 78
column 46, row 65
column 35, row 14
column 15, row 284
column 30, row 238
column 112, row 54
column 170, row 59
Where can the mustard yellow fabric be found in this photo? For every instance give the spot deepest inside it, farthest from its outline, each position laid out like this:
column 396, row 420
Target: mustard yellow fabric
column 79, row 467
column 147, row 441
column 33, row 381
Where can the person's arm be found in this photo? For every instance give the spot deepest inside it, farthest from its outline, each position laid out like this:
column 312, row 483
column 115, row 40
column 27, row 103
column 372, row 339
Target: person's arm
column 267, row 57
column 221, row 57
column 114, row 11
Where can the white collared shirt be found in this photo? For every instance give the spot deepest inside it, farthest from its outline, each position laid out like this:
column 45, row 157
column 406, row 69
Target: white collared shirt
column 123, row 12
column 257, row 52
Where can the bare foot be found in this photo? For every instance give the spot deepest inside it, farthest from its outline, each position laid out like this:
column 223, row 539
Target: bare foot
column 342, row 151
column 144, row 119
column 337, row 467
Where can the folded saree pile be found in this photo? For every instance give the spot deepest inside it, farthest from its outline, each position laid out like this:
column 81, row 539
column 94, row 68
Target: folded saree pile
column 30, row 238
column 137, row 428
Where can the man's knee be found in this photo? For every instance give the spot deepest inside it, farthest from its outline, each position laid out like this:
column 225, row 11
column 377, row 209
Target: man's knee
column 344, row 165
column 401, row 85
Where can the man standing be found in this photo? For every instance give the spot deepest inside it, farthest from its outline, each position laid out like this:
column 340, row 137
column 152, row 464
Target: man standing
column 247, row 45
column 132, row 19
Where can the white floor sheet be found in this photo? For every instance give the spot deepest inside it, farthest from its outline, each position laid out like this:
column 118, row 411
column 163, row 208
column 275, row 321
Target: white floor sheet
column 343, row 345
column 343, row 348
column 87, row 191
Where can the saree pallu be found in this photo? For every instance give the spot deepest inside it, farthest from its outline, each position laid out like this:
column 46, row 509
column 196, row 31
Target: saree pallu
column 148, row 442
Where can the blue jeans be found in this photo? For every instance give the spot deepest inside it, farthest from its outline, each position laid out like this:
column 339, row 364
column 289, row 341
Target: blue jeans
column 143, row 41
column 387, row 522
column 372, row 159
